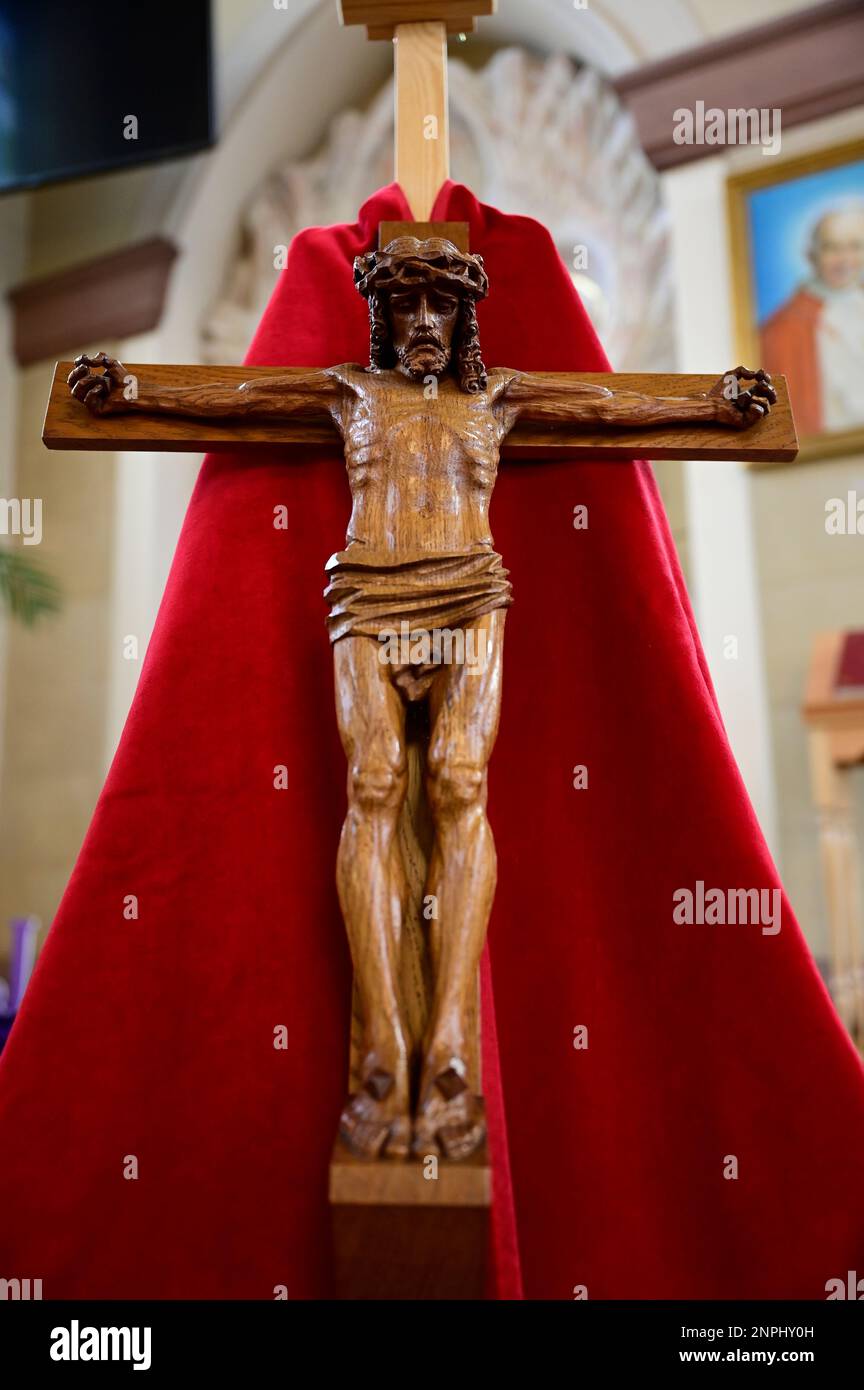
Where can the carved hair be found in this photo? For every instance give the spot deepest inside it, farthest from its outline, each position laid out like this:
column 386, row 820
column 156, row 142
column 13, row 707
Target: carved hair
column 470, row 369
column 408, row 262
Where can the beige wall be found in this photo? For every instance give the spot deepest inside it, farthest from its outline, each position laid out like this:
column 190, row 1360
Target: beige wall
column 672, row 482
column 53, row 677
column 808, row 582
column 13, row 241
column 716, row 526
column 55, row 692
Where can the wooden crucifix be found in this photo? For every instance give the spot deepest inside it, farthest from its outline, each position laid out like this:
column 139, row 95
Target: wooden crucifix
column 417, row 604
column 418, row 601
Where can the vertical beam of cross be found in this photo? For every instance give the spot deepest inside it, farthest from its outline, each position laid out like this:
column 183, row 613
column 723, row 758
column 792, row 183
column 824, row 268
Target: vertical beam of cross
column 419, row 29
column 422, row 154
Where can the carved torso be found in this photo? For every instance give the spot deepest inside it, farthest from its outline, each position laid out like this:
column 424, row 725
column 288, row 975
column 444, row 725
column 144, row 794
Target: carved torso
column 421, row 468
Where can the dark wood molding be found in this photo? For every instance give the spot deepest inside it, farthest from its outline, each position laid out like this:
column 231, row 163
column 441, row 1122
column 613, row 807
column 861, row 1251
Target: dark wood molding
column 382, row 16
column 456, row 232
column 103, row 300
column 808, row 64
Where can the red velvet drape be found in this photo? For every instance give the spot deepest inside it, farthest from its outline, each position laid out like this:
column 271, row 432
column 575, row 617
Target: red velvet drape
column 154, row 1037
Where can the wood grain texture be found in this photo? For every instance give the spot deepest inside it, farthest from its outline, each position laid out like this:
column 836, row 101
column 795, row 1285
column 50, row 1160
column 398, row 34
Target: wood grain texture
column 416, row 833
column 415, row 838
column 424, row 1254
column 69, row 426
column 408, row 1231
column 382, row 16
column 452, row 26
column 411, row 11
column 457, row 233
column 422, row 159
column 356, row 1182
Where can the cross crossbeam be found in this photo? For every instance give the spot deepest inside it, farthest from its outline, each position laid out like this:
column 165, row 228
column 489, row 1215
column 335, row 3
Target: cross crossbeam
column 68, row 426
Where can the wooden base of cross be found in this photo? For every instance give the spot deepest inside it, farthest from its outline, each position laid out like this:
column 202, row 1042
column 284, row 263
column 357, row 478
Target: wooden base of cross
column 412, row 1230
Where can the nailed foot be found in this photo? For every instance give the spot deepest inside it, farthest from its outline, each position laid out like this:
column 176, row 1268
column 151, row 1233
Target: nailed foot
column 450, row 1118
column 375, row 1122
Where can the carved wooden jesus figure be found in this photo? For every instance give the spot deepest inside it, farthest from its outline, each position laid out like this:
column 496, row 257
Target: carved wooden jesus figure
column 422, row 428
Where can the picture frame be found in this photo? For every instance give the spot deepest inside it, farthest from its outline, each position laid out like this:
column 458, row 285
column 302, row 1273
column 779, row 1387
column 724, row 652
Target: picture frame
column 796, row 236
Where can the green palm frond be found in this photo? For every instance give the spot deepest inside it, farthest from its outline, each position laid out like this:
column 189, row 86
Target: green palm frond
column 25, row 589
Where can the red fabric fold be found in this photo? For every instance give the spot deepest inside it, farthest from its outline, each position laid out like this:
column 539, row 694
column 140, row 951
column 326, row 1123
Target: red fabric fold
column 154, row 1037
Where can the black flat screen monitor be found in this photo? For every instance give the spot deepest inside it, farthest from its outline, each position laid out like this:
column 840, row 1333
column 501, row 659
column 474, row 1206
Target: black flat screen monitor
column 87, row 88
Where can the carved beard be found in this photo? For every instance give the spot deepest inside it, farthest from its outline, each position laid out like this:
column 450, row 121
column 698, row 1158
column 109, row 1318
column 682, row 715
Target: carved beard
column 428, row 357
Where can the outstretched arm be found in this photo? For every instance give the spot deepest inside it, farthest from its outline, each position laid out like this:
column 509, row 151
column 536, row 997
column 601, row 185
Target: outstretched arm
column 113, row 390
column 558, row 398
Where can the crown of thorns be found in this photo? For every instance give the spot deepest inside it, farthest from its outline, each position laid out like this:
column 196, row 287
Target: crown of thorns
column 406, row 262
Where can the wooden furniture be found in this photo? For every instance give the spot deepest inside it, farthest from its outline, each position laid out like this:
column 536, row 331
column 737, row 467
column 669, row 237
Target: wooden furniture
column 834, row 711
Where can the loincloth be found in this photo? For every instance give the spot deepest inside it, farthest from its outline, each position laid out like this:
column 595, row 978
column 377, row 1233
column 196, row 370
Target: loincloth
column 429, row 595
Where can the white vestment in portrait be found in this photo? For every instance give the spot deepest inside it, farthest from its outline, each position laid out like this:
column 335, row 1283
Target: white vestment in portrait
column 840, row 347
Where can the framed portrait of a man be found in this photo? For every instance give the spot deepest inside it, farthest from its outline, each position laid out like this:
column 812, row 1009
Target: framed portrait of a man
column 797, row 241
